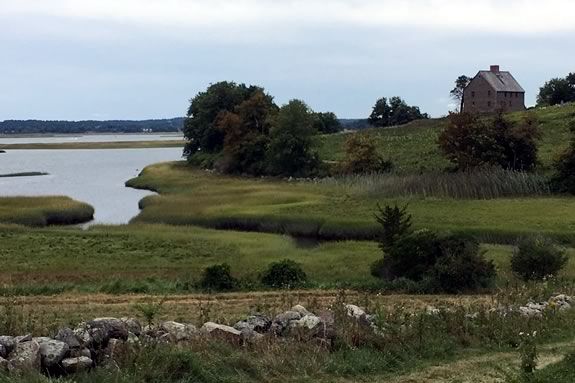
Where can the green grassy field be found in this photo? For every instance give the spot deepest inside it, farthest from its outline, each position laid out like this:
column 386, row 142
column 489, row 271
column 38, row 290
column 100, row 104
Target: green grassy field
column 413, row 147
column 195, row 197
column 163, row 259
column 44, row 211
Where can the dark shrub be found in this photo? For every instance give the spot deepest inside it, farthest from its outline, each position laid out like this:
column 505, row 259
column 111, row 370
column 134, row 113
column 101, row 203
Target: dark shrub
column 537, row 258
column 563, row 179
column 361, row 156
column 284, row 274
column 395, row 222
column 448, row 263
column 411, row 256
column 462, row 266
column 218, row 278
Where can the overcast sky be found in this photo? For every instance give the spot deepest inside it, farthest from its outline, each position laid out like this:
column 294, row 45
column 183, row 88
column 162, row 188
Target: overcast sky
column 138, row 59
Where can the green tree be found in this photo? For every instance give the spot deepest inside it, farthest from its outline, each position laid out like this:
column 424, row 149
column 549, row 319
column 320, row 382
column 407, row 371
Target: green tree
column 557, row 91
column 470, row 141
column 292, row 151
column 200, row 128
column 395, row 222
column 396, row 112
column 381, row 112
column 457, row 92
column 246, row 134
column 327, row 123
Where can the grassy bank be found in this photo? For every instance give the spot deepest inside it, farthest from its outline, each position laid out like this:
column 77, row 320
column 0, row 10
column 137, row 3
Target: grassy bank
column 195, row 197
column 159, row 259
column 24, row 174
column 44, row 211
column 97, row 145
column 413, row 147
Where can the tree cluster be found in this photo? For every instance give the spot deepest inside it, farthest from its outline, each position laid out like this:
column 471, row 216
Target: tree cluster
column 394, row 111
column 247, row 133
column 557, row 91
column 470, row 141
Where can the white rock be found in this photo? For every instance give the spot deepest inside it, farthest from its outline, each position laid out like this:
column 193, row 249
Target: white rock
column 81, row 363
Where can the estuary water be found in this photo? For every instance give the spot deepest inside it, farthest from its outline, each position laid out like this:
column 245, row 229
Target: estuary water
column 63, row 139
column 96, row 177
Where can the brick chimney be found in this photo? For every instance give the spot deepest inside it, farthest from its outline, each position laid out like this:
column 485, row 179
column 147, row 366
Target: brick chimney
column 494, row 68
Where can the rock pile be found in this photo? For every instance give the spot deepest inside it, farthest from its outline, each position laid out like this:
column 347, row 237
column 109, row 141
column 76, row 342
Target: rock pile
column 103, row 341
column 558, row 303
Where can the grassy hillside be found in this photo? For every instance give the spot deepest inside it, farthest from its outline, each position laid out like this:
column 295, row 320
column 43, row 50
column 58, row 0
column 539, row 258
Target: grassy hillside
column 413, row 147
column 195, row 197
column 44, row 211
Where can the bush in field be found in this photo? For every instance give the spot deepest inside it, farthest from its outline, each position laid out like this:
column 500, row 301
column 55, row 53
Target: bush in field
column 218, row 278
column 284, row 274
column 470, row 141
column 439, row 263
column 462, row 266
column 563, row 180
column 361, row 156
column 538, row 258
column 395, row 222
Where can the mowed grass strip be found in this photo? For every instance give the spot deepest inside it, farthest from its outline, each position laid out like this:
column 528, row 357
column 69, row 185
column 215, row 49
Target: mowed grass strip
column 44, row 211
column 195, row 197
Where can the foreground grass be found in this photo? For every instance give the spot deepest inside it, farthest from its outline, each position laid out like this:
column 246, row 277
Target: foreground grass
column 414, row 345
column 44, row 211
column 194, row 197
column 413, row 147
column 98, row 145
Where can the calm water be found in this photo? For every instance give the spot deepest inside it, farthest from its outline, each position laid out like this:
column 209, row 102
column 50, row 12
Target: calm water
column 93, row 176
column 89, row 138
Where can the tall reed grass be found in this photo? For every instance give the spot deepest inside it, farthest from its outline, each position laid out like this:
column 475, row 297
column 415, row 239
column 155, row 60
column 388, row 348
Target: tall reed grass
column 489, row 183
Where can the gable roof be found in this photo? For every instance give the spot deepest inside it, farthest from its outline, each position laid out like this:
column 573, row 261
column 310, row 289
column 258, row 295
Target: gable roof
column 501, row 81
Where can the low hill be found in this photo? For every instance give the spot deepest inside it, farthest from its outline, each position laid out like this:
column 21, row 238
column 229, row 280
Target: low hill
column 413, row 147
column 90, row 126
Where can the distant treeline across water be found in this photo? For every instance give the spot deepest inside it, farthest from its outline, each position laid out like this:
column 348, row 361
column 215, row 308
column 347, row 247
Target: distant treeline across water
column 117, row 126
column 73, row 127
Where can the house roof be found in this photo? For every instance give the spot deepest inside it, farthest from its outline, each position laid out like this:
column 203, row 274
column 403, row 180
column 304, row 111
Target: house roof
column 501, row 81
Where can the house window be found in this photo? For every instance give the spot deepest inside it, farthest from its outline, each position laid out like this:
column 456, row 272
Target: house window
column 516, row 95
column 505, row 94
column 489, row 104
column 489, row 93
column 473, row 103
column 473, row 94
column 510, row 103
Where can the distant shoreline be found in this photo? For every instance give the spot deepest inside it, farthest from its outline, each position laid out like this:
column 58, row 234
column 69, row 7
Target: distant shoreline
column 96, row 145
